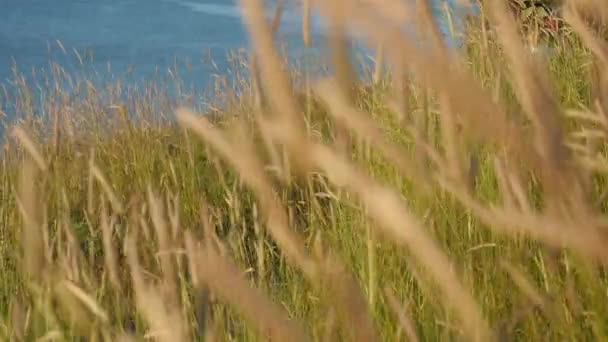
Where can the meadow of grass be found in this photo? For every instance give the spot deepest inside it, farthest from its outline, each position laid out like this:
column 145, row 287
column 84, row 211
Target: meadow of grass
column 458, row 197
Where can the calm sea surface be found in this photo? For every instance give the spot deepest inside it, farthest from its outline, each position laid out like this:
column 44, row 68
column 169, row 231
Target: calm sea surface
column 128, row 40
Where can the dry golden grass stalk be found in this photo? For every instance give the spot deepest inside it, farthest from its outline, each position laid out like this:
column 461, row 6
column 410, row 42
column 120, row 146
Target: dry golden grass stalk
column 395, row 11
column 91, row 184
column 338, row 46
column 125, row 338
column 256, row 86
column 227, row 282
column 107, row 230
column 394, row 218
column 534, row 298
column 276, row 20
column 386, row 209
column 366, row 128
column 256, row 83
column 306, row 23
column 71, row 253
column 344, row 291
column 404, row 318
column 535, row 93
column 524, row 285
column 202, row 296
column 400, row 83
column 344, row 72
column 509, row 199
column 117, row 205
column 595, row 12
column 452, row 144
column 165, row 248
column 86, row 300
column 76, row 309
column 458, row 84
column 379, row 63
column 427, row 25
column 173, row 204
column 282, row 103
column 27, row 143
column 251, row 170
column 32, row 243
column 383, row 204
column 548, row 229
column 166, row 323
column 598, row 46
column 51, row 336
column 18, row 319
column 273, row 150
column 444, row 73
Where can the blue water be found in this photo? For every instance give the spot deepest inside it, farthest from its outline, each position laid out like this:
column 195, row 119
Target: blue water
column 132, row 35
column 128, row 40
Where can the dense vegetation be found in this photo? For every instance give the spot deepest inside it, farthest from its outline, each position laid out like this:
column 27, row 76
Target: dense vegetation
column 458, row 197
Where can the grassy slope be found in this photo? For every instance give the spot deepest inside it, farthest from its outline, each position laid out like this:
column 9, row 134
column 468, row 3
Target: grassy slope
column 527, row 291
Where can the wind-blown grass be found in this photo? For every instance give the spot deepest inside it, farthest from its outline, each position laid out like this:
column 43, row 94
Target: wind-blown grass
column 461, row 196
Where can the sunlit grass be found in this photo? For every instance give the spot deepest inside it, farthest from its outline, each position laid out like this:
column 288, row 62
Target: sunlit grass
column 452, row 201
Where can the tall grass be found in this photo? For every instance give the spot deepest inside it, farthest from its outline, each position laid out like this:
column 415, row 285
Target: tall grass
column 460, row 196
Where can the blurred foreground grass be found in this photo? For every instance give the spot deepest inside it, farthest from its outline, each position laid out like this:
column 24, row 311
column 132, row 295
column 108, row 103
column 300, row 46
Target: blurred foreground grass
column 118, row 222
